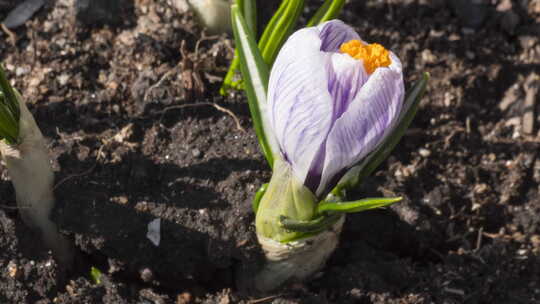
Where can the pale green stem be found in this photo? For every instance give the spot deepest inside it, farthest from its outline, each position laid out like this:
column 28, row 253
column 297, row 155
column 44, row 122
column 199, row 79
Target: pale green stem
column 285, row 196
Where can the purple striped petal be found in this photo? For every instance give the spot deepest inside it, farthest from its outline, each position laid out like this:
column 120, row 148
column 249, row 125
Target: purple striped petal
column 345, row 78
column 365, row 123
column 334, row 33
column 326, row 111
column 299, row 104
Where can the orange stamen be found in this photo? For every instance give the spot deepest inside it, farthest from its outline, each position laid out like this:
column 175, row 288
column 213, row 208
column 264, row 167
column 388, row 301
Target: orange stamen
column 373, row 55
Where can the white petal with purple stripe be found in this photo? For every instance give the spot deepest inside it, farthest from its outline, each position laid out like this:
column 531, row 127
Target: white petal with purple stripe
column 327, row 113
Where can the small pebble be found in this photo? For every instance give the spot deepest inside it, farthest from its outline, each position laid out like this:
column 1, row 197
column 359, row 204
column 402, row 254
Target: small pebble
column 528, row 41
column 12, row 269
column 146, row 275
column 63, row 79
column 428, row 57
column 448, row 97
column 183, row 298
column 196, row 153
column 19, row 71
column 154, row 232
column 424, row 152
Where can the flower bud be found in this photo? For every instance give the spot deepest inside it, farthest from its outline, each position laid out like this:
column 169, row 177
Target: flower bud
column 332, row 98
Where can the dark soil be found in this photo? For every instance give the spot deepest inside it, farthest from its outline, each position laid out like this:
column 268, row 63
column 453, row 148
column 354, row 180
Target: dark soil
column 129, row 110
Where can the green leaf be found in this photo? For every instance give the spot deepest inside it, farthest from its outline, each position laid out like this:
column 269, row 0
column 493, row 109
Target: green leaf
column 276, row 32
column 95, row 275
column 279, row 31
column 9, row 93
column 269, row 29
column 9, row 111
column 358, row 173
column 316, row 225
column 8, row 127
column 249, row 10
column 356, row 206
column 255, row 74
column 328, row 11
column 258, row 197
column 229, row 82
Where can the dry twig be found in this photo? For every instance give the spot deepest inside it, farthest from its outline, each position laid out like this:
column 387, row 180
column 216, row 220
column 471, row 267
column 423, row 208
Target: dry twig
column 86, row 172
column 261, row 300
column 160, row 81
column 12, row 36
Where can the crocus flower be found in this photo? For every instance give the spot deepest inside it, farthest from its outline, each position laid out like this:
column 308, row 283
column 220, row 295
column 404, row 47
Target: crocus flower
column 331, row 99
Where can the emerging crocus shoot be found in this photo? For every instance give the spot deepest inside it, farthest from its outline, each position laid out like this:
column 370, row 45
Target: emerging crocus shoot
column 331, row 109
column 24, row 153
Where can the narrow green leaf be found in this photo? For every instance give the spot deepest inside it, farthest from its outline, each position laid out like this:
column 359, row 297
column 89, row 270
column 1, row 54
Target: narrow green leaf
column 229, row 82
column 269, row 29
column 328, row 11
column 357, row 174
column 255, row 74
column 249, row 10
column 7, row 130
column 281, row 31
column 274, row 35
column 11, row 97
column 9, row 111
column 8, row 126
column 316, row 19
column 258, row 197
column 316, row 225
column 356, row 206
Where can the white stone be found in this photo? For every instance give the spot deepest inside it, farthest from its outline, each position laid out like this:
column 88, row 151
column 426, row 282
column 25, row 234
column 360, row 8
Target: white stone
column 154, row 232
